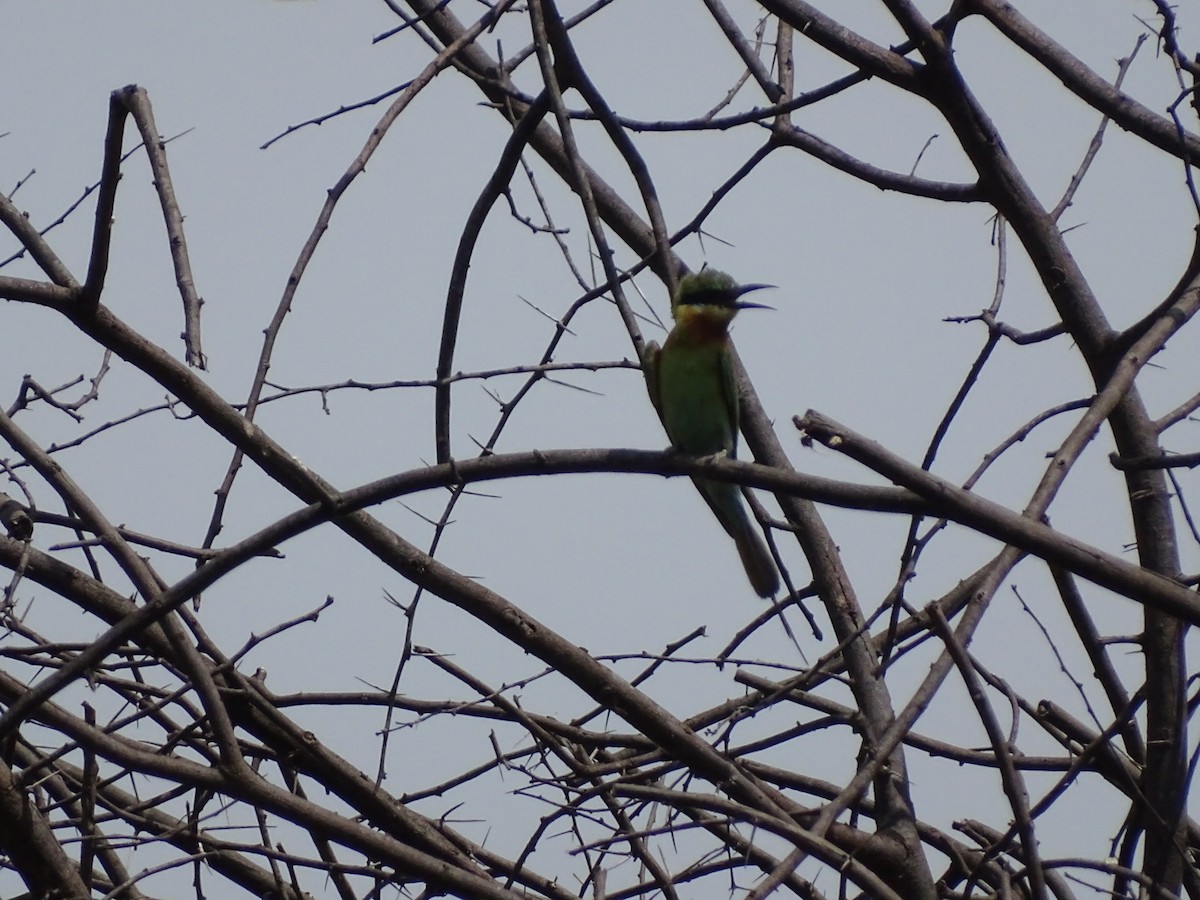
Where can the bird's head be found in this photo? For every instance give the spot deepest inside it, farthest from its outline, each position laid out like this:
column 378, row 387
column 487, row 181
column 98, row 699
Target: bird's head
column 712, row 297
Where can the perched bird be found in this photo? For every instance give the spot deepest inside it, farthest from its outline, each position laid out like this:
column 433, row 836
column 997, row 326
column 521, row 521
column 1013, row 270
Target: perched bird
column 693, row 388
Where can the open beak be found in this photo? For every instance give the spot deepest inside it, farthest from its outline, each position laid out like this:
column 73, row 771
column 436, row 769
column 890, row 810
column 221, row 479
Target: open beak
column 747, row 288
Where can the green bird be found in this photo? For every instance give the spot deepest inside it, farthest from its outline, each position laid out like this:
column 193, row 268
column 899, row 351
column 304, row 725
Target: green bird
column 692, row 386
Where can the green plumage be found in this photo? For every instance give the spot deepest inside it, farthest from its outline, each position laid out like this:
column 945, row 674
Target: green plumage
column 693, row 387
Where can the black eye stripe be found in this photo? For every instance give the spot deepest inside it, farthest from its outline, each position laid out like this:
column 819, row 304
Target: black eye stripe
column 710, row 297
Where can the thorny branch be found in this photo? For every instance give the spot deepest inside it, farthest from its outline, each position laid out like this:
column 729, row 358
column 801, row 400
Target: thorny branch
column 772, row 774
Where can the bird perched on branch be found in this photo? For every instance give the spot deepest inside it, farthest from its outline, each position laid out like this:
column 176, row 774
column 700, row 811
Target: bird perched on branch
column 692, row 385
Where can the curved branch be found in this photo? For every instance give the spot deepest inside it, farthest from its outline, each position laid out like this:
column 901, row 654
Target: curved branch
column 1079, row 79
column 990, row 518
column 883, row 179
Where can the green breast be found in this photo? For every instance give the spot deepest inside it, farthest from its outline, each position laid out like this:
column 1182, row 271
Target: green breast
column 698, row 405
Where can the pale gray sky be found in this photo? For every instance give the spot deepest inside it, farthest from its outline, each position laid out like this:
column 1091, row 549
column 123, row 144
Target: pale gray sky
column 618, row 564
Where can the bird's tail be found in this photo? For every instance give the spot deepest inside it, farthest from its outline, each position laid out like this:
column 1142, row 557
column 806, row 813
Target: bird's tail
column 758, row 563
column 725, row 499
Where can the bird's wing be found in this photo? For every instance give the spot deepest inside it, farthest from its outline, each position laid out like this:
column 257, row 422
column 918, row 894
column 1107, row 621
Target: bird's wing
column 650, row 356
column 729, row 397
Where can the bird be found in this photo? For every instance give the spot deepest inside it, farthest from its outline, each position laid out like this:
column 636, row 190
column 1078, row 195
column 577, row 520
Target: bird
column 692, row 385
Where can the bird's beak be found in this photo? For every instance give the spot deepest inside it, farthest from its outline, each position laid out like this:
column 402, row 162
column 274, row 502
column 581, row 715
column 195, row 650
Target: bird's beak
column 747, row 288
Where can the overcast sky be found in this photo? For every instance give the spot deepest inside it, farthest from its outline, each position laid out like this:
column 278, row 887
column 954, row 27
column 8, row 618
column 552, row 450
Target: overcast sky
column 615, row 563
